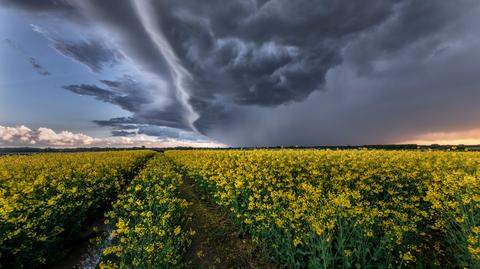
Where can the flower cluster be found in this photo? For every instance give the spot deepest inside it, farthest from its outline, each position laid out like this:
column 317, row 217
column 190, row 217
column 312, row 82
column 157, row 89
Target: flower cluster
column 349, row 208
column 149, row 221
column 46, row 198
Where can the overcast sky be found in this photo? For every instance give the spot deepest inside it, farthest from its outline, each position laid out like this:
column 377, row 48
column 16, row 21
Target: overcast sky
column 239, row 72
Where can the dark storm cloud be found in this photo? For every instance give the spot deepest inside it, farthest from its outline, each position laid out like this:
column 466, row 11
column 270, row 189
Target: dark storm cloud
column 94, row 54
column 63, row 8
column 33, row 61
column 421, row 25
column 386, row 43
column 253, row 54
column 384, row 92
column 293, row 72
column 371, row 110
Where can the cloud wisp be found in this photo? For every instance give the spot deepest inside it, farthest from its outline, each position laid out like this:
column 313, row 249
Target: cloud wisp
column 33, row 61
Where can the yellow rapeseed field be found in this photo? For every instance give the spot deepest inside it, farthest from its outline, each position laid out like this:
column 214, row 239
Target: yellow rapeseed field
column 149, row 221
column 349, row 208
column 304, row 208
column 45, row 198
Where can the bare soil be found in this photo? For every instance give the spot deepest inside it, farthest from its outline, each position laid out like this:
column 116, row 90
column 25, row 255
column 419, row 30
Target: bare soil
column 217, row 243
column 84, row 254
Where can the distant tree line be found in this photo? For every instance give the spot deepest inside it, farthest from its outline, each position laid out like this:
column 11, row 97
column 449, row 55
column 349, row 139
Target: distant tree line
column 28, row 150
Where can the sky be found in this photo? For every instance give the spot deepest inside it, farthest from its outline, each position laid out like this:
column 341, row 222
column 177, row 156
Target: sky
column 216, row 73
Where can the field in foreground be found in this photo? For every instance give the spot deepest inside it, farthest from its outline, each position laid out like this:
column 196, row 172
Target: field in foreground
column 297, row 208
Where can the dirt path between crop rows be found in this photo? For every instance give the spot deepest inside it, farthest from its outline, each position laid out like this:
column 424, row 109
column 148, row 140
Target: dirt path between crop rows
column 217, row 243
column 83, row 254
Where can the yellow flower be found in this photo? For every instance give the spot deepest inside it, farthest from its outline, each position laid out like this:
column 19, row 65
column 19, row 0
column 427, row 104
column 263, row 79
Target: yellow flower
column 296, row 242
column 177, row 230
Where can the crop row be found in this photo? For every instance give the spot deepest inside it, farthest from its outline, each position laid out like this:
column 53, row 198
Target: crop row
column 352, row 208
column 149, row 221
column 46, row 198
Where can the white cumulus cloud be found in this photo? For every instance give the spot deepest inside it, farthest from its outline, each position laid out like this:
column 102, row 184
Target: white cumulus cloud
column 21, row 136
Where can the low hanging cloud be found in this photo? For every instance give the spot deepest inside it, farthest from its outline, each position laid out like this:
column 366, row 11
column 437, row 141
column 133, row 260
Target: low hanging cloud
column 135, row 97
column 22, row 136
column 283, row 72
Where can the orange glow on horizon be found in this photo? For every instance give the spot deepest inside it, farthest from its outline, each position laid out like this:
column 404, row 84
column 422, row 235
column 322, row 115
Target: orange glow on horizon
column 470, row 137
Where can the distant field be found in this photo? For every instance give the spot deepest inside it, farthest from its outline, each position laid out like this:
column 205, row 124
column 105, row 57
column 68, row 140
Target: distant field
column 245, row 209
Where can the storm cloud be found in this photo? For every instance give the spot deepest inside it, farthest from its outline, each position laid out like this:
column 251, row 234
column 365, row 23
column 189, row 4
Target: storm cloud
column 282, row 72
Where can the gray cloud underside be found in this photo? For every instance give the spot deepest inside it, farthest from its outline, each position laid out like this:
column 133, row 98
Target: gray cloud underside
column 134, row 97
column 94, row 54
column 129, row 126
column 298, row 72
